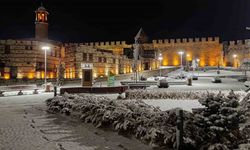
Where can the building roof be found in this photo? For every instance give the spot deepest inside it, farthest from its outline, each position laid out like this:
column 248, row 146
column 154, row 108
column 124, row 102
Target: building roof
column 141, row 36
column 41, row 8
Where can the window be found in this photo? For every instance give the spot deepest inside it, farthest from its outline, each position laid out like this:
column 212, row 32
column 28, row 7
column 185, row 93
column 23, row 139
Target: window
column 113, row 60
column 99, row 59
column 7, row 49
column 104, row 60
column 90, row 57
column 39, row 17
column 51, row 52
column 84, row 57
column 28, row 47
column 39, row 66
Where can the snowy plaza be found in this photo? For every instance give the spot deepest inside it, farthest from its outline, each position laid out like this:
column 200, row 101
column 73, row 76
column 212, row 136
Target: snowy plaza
column 24, row 118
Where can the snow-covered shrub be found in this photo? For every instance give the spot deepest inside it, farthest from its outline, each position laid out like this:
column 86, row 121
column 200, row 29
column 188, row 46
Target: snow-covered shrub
column 219, row 121
column 245, row 104
column 174, row 94
column 215, row 126
column 136, row 118
column 245, row 107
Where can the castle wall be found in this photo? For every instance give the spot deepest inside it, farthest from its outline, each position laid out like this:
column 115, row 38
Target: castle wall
column 103, row 62
column 25, row 59
column 239, row 48
column 208, row 50
column 116, row 46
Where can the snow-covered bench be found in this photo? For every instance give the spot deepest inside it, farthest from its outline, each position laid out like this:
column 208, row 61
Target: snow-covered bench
column 18, row 89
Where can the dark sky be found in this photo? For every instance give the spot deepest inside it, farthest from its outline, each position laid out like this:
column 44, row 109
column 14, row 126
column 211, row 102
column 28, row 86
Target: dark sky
column 106, row 20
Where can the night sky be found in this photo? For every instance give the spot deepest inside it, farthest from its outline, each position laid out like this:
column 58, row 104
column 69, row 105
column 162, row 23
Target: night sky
column 110, row 20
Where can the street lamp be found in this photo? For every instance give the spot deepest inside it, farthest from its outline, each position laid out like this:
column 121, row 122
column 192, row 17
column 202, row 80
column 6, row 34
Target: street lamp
column 235, row 59
column 160, row 59
column 187, row 61
column 198, row 62
column 181, row 53
column 45, row 48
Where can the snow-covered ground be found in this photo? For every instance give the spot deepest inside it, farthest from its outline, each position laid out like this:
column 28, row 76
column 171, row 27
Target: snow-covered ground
column 166, row 104
column 214, row 73
column 25, row 125
column 204, row 83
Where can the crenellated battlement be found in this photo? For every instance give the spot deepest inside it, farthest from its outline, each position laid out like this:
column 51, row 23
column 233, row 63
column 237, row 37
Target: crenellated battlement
column 187, row 40
column 107, row 43
column 239, row 42
column 29, row 42
column 17, row 42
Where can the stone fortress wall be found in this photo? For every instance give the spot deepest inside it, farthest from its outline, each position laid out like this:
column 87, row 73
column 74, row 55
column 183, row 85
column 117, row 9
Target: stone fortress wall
column 25, row 59
column 236, row 51
column 207, row 50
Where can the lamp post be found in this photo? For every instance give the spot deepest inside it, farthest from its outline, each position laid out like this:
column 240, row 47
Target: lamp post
column 160, row 59
column 235, row 60
column 45, row 48
column 181, row 53
column 187, row 61
column 198, row 61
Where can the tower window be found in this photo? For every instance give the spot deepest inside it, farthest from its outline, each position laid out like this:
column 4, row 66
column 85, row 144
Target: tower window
column 7, row 49
column 104, row 60
column 39, row 17
column 90, row 57
column 99, row 59
column 84, row 57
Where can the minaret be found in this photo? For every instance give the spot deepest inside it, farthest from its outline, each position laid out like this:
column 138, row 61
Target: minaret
column 141, row 37
column 41, row 23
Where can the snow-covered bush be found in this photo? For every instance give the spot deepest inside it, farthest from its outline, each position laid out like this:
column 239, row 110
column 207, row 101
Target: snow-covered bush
column 219, row 121
column 174, row 94
column 136, row 118
column 215, row 126
column 245, row 107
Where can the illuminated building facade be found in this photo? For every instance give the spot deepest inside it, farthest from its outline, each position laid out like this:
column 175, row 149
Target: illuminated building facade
column 25, row 59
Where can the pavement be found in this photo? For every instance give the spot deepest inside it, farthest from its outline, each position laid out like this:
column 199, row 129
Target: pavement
column 25, row 125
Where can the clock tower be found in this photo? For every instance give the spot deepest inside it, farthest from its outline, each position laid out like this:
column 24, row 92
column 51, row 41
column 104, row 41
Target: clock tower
column 41, row 23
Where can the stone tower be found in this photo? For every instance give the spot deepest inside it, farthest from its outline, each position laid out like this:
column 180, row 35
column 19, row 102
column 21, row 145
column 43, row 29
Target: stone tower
column 41, row 22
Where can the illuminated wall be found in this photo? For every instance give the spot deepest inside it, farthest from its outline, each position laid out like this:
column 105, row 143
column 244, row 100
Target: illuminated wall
column 236, row 52
column 209, row 51
column 25, row 59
